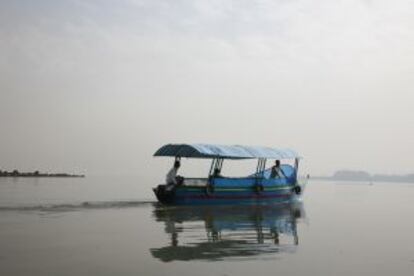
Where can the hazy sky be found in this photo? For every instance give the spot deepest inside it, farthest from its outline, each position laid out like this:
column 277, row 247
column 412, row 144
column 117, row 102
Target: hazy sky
column 95, row 86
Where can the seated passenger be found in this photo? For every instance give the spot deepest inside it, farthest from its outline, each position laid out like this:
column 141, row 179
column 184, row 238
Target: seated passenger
column 277, row 171
column 172, row 179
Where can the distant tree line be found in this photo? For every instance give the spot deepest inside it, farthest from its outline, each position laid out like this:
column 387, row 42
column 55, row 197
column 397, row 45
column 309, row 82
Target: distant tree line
column 350, row 175
column 16, row 173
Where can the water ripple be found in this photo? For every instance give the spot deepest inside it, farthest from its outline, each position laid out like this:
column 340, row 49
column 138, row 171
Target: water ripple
column 78, row 206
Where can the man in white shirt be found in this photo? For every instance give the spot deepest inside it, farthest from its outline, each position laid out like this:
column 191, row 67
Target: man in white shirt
column 171, row 178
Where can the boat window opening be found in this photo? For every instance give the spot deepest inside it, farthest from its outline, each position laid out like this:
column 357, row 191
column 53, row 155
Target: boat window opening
column 238, row 168
column 193, row 168
column 235, row 168
column 196, row 172
column 288, row 167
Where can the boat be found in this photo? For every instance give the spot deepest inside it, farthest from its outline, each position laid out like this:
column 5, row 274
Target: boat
column 259, row 187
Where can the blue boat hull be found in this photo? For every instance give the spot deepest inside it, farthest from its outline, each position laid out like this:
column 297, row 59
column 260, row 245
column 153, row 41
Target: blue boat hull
column 222, row 195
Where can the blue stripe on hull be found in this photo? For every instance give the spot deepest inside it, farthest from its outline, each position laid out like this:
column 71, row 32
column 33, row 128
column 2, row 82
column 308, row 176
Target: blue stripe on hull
column 185, row 197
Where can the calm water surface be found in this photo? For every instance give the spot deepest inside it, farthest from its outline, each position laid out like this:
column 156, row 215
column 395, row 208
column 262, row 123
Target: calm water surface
column 111, row 226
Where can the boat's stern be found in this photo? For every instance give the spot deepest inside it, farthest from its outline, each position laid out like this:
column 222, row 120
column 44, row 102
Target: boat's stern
column 163, row 194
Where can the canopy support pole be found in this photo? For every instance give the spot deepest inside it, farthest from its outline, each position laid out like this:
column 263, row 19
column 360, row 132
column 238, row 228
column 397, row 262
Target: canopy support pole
column 264, row 166
column 296, row 168
column 213, row 165
column 261, row 163
column 221, row 164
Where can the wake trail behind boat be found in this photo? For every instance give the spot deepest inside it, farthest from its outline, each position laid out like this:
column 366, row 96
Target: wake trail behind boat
column 78, row 206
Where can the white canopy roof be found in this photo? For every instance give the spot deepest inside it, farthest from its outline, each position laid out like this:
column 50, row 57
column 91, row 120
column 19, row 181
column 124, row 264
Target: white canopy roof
column 226, row 152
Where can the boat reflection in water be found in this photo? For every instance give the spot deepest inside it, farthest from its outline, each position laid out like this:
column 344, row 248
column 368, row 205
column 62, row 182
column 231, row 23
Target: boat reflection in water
column 215, row 233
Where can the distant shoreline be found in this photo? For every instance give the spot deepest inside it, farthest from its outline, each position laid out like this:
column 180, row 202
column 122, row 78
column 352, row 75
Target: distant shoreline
column 362, row 176
column 327, row 178
column 16, row 173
